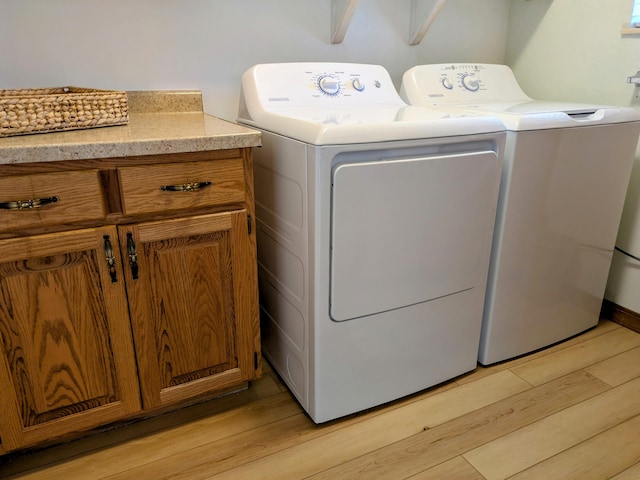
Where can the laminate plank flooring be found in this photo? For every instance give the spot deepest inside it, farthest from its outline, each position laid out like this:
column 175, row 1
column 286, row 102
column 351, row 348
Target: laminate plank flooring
column 631, row 473
column 555, row 433
column 571, row 411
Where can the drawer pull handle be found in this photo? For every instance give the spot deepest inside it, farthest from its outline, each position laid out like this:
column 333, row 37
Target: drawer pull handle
column 186, row 187
column 26, row 204
column 133, row 256
column 111, row 260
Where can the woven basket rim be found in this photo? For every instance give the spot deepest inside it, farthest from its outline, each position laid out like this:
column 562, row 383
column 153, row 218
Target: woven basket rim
column 32, row 110
column 55, row 91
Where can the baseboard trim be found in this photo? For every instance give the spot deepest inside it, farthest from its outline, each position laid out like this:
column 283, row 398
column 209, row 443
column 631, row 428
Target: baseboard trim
column 623, row 316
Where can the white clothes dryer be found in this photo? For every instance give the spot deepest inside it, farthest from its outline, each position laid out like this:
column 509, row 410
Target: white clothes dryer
column 564, row 180
column 375, row 222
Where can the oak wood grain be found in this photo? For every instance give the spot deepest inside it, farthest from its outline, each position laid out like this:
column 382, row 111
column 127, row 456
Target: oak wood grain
column 69, row 353
column 78, row 194
column 68, row 362
column 14, row 169
column 187, row 306
column 142, row 193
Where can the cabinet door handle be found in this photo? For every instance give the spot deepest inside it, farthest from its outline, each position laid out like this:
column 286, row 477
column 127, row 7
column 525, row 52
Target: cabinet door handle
column 186, row 187
column 133, row 256
column 26, row 204
column 111, row 260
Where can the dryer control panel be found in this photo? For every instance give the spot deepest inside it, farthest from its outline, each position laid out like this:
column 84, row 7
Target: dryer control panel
column 286, row 85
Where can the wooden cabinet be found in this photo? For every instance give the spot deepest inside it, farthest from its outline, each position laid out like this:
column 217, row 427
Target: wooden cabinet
column 67, row 354
column 133, row 292
column 196, row 278
column 28, row 200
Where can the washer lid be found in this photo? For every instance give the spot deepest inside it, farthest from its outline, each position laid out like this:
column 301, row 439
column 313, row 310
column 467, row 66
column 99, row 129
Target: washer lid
column 493, row 90
column 534, row 107
column 537, row 115
column 336, row 103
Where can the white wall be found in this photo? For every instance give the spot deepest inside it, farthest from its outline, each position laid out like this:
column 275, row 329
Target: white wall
column 573, row 50
column 208, row 44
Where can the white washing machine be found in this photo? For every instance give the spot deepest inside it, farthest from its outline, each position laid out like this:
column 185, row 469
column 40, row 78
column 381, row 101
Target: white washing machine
column 564, row 180
column 375, row 222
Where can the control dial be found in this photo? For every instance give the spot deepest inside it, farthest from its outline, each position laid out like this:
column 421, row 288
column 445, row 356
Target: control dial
column 357, row 84
column 470, row 82
column 446, row 83
column 329, row 85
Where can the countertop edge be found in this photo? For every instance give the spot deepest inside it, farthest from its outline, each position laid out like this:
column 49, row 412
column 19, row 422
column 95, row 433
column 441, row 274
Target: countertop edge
column 135, row 139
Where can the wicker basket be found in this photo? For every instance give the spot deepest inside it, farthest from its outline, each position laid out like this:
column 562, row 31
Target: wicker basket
column 42, row 110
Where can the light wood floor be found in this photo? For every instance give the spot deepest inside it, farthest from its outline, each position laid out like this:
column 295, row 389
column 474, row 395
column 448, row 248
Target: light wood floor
column 569, row 412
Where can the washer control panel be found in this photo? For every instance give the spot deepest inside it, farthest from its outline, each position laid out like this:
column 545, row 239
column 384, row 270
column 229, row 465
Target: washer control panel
column 467, row 77
column 460, row 83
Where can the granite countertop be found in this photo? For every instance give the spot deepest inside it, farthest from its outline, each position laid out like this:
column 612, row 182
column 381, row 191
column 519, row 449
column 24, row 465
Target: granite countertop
column 159, row 122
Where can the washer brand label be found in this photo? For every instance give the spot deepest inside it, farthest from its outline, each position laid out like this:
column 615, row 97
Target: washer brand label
column 278, row 99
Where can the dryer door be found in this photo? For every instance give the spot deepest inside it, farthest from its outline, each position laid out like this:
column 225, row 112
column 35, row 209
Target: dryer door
column 410, row 230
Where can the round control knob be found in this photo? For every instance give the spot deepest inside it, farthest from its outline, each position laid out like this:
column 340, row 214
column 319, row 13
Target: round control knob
column 470, row 82
column 446, row 83
column 329, row 85
column 357, row 84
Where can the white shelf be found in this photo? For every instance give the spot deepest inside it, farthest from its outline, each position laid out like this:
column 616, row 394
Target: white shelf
column 341, row 13
column 630, row 31
column 423, row 14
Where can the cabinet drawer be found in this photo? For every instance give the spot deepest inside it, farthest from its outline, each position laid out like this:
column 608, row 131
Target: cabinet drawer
column 46, row 199
column 159, row 188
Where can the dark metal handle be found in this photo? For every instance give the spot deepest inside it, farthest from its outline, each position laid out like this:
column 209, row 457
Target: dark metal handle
column 186, row 187
column 111, row 260
column 133, row 256
column 26, row 204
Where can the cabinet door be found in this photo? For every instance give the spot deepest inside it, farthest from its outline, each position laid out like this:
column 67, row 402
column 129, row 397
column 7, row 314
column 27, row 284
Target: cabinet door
column 66, row 350
column 193, row 305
